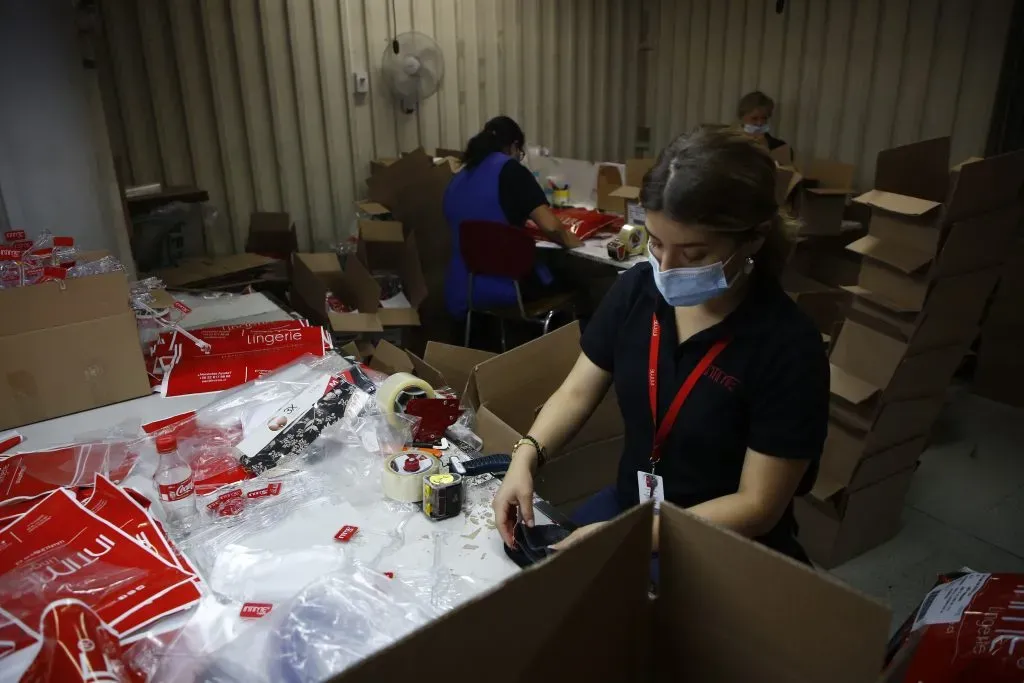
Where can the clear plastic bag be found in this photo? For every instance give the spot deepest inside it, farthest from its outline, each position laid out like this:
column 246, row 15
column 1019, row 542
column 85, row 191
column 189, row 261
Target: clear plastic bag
column 330, row 625
column 106, row 264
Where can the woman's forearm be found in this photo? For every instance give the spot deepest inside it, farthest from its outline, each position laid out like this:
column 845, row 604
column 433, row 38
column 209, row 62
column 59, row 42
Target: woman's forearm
column 737, row 511
column 562, row 417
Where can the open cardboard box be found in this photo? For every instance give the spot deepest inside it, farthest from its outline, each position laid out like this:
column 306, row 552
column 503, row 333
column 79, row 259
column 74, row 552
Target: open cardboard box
column 871, row 371
column 66, row 347
column 316, row 275
column 508, row 391
column 625, row 200
column 384, row 247
column 442, row 365
column 727, row 609
column 821, row 200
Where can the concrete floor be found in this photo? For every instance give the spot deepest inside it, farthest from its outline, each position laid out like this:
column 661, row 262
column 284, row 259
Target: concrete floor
column 965, row 507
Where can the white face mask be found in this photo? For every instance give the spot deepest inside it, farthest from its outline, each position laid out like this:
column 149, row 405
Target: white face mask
column 751, row 129
column 690, row 286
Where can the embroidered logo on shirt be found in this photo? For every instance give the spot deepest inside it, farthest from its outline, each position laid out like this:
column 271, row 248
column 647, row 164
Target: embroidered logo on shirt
column 721, row 378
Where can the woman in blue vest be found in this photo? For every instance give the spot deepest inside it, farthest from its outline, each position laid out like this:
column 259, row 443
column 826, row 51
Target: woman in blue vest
column 494, row 186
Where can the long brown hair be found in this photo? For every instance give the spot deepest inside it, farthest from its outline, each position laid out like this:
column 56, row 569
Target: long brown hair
column 721, row 179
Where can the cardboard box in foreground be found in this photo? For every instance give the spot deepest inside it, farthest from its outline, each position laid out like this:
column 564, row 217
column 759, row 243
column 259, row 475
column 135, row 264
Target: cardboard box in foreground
column 727, row 609
column 67, row 347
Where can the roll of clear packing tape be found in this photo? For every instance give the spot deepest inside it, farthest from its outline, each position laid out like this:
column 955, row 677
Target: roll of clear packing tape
column 396, row 391
column 403, row 474
column 634, row 237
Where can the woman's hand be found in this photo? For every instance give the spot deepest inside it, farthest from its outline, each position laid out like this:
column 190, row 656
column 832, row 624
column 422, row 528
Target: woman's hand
column 515, row 497
column 578, row 535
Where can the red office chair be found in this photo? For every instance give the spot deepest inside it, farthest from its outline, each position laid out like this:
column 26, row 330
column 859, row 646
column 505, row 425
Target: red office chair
column 499, row 250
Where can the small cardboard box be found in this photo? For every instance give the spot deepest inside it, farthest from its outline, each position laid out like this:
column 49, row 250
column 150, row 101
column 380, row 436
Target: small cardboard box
column 587, row 615
column 835, row 527
column 384, row 248
column 271, row 234
column 821, row 200
column 870, row 369
column 629, row 194
column 67, row 347
column 442, row 365
column 314, row 276
column 508, row 392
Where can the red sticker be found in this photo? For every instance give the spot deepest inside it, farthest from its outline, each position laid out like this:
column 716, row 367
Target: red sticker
column 181, row 306
column 390, row 575
column 63, row 241
column 22, row 245
column 9, row 254
column 14, row 235
column 346, row 533
column 270, row 490
column 255, row 610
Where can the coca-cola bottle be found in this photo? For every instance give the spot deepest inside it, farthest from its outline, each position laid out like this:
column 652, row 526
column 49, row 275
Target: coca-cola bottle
column 173, row 480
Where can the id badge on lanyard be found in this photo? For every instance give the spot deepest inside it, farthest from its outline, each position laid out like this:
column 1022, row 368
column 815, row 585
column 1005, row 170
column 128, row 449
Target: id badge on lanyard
column 650, row 484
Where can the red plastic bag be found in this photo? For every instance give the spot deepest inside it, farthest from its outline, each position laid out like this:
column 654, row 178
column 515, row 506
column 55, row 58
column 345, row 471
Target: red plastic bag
column 973, row 630
column 26, row 475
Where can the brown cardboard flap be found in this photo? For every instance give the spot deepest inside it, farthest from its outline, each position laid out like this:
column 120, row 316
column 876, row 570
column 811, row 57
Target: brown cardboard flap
column 831, row 174
column 979, row 242
column 899, row 421
column 904, row 258
column 315, row 274
column 636, row 169
column 850, row 388
column 52, row 304
column 828, row 191
column 192, row 271
column 269, row 221
column 893, row 288
column 626, row 192
column 827, row 489
column 920, row 169
column 903, row 205
column 556, row 615
column 497, row 436
column 380, row 231
column 783, row 155
column 455, row 363
column 609, row 179
column 925, row 374
column 372, row 208
column 880, row 300
column 706, row 571
column 985, row 184
column 389, row 359
column 867, row 354
column 848, row 463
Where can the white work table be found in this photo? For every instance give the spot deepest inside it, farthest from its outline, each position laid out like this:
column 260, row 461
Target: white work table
column 596, row 250
column 392, row 537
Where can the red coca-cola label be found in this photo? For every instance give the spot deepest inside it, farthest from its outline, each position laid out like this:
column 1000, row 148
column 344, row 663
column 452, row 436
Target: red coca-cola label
column 255, row 610
column 183, row 307
column 346, row 533
column 170, row 493
column 14, row 235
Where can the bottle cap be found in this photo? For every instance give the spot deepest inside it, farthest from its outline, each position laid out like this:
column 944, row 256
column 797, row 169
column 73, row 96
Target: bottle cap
column 166, row 443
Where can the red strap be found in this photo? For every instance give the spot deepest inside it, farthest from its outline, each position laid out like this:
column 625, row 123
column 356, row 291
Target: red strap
column 665, row 427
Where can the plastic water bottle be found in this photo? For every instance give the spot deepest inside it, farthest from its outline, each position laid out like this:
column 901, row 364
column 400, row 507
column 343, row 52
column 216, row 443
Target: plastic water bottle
column 173, row 480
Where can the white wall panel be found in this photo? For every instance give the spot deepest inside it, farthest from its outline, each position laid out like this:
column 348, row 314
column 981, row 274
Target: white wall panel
column 849, row 78
column 253, row 100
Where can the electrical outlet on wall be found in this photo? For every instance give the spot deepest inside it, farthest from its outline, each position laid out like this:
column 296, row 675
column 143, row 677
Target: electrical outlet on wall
column 361, row 82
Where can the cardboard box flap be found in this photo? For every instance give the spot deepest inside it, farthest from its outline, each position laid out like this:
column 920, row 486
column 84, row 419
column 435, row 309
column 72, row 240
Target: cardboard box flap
column 783, row 155
column 537, row 609
column 381, row 231
column 52, row 304
column 867, row 354
column 892, row 288
column 852, row 389
column 609, row 179
column 828, row 191
column 388, row 186
column 904, row 258
column 389, row 359
column 827, row 489
column 706, row 574
column 979, row 242
column 626, row 192
column 372, row 208
column 786, row 180
column 192, row 271
column 455, row 363
column 903, row 205
column 834, row 175
column 920, row 169
column 879, row 300
column 636, row 169
column 986, row 184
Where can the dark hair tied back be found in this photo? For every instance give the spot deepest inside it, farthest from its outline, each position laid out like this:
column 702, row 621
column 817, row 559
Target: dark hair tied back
column 498, row 134
column 720, row 179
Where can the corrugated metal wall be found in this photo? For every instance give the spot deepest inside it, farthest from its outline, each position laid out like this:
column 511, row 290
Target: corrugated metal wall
column 253, row 100
column 849, row 78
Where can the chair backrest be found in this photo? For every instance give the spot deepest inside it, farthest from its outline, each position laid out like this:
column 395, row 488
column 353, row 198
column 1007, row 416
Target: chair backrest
column 491, row 248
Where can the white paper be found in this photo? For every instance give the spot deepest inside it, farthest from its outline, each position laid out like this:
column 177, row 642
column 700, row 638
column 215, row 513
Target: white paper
column 945, row 604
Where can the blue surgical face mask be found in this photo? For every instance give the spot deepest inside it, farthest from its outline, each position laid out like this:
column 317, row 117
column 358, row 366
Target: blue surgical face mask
column 689, row 286
column 756, row 130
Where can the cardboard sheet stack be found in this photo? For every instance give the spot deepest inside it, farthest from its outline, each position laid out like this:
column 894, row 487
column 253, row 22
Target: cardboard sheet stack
column 999, row 374
column 936, row 241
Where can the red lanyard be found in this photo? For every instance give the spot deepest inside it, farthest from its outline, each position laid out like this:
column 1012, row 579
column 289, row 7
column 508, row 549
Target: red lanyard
column 665, row 427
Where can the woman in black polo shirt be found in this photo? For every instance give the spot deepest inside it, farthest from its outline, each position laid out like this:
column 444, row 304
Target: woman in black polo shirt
column 704, row 338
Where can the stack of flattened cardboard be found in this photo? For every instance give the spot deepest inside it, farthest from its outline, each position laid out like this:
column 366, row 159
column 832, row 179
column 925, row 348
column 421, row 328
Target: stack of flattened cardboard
column 726, row 609
column 935, row 243
column 999, row 373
